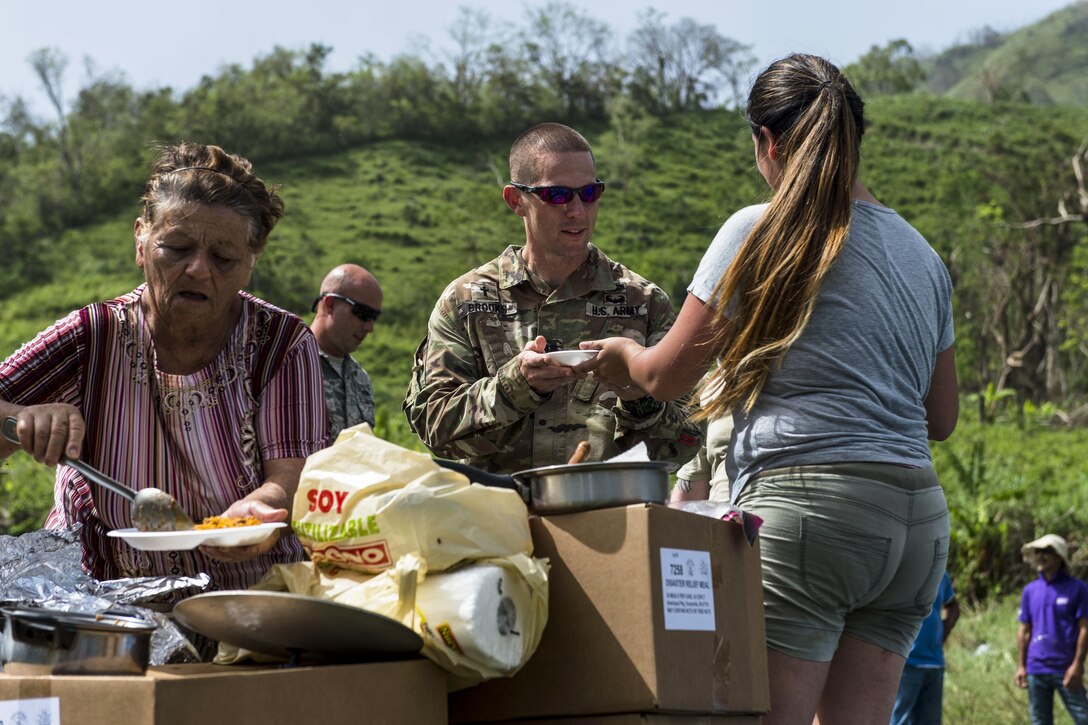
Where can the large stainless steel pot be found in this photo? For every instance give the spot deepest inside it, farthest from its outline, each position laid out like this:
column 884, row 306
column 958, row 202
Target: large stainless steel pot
column 580, row 486
column 47, row 642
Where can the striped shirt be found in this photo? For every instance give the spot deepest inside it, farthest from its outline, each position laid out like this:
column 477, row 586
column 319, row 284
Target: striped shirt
column 202, row 438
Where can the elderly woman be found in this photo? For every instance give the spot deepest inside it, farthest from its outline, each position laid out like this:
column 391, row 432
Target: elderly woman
column 187, row 383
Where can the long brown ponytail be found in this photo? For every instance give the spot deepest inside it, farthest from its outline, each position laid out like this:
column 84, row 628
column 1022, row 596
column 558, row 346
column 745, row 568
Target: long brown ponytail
column 765, row 299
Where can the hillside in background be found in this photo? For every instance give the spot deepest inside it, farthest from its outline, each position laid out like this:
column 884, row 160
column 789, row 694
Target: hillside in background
column 419, row 214
column 1044, row 63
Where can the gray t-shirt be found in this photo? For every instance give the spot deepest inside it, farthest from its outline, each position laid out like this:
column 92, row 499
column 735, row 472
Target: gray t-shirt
column 852, row 387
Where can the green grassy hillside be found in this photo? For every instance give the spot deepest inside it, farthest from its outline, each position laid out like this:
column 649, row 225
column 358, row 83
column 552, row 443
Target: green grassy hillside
column 418, row 215
column 980, row 655
column 1045, row 63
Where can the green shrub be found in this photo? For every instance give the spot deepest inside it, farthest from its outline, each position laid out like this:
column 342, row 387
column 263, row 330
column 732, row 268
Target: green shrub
column 1006, row 484
column 26, row 494
column 981, row 660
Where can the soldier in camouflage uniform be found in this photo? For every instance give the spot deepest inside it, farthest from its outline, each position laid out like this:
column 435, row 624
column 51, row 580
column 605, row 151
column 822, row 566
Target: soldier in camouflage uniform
column 482, row 389
column 349, row 304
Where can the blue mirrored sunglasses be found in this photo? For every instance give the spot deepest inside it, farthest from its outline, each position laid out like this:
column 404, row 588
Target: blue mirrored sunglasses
column 559, row 195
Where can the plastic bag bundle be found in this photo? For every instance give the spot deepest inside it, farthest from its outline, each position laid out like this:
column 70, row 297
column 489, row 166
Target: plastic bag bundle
column 363, row 503
column 389, row 531
column 481, row 620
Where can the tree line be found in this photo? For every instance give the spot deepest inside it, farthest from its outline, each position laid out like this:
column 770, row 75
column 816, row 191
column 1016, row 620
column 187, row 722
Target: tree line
column 91, row 153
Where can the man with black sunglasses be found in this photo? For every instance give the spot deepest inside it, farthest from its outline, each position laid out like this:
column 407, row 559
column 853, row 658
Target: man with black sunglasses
column 346, row 309
column 484, row 388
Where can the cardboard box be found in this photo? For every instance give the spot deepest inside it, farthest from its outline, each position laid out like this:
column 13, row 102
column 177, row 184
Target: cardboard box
column 651, row 610
column 389, row 692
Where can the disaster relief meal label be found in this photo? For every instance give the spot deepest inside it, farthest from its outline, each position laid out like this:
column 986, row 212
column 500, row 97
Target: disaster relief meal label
column 687, row 595
column 31, row 711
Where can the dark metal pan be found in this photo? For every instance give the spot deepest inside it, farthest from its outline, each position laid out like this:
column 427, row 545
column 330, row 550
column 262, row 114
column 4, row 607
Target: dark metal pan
column 297, row 626
column 567, row 488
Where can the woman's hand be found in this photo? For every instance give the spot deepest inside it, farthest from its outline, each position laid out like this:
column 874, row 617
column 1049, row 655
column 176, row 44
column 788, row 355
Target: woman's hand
column 613, row 363
column 241, row 509
column 268, row 503
column 669, row 369
column 48, row 431
column 623, row 392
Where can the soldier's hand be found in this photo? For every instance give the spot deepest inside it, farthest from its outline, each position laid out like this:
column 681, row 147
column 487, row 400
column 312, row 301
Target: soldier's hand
column 542, row 373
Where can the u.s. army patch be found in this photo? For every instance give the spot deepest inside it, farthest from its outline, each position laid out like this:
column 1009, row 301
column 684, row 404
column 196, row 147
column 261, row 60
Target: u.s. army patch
column 615, row 310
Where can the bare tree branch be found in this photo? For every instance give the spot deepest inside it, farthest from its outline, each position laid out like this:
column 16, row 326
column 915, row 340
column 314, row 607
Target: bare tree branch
column 1079, row 196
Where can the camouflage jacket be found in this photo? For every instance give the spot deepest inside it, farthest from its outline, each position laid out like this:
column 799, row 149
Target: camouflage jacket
column 468, row 400
column 349, row 399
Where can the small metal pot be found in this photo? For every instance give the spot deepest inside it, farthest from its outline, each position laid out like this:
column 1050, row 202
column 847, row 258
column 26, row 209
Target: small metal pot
column 574, row 487
column 47, row 642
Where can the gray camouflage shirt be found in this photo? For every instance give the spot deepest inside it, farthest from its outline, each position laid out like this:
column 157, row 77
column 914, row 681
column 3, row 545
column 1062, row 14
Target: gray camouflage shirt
column 349, row 399
column 468, row 400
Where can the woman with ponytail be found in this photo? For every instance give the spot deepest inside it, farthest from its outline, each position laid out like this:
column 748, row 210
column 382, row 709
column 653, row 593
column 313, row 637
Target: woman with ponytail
column 830, row 320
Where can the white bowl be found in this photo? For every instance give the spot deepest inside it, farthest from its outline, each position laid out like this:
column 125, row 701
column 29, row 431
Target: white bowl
column 572, row 357
column 192, row 538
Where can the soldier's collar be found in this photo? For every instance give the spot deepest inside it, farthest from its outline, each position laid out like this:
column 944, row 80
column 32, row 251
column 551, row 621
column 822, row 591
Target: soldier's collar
column 512, row 269
column 595, row 273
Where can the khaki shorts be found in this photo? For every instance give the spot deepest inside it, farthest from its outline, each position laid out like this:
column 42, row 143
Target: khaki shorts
column 855, row 548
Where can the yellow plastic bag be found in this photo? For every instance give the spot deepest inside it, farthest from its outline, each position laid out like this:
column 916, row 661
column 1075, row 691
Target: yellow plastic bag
column 363, row 503
column 478, row 621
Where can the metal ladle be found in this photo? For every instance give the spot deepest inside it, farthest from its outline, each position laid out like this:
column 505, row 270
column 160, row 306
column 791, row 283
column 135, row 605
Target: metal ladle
column 152, row 508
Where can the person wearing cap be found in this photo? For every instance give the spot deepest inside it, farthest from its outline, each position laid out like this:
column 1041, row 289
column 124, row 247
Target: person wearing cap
column 1052, row 640
column 346, row 309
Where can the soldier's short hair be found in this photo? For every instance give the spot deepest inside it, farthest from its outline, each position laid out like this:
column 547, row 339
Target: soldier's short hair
column 545, row 138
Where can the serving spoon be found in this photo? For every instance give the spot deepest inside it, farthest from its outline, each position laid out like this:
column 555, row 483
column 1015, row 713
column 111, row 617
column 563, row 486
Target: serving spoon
column 152, row 508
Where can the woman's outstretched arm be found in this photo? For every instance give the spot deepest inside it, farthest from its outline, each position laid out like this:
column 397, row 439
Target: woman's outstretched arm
column 669, row 369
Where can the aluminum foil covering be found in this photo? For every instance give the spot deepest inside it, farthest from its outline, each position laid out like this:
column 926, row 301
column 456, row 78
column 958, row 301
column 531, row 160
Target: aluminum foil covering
column 42, row 569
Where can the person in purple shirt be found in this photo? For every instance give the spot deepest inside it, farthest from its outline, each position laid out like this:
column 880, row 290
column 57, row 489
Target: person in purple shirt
column 1053, row 637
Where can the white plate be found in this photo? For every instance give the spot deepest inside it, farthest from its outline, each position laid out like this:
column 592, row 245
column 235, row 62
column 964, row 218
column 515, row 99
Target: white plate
column 572, row 357
column 184, row 540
